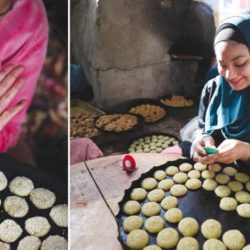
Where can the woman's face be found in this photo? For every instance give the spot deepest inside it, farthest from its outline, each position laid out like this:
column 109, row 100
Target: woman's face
column 233, row 61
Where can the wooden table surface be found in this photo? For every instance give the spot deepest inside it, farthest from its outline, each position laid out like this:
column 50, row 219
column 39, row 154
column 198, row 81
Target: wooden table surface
column 96, row 188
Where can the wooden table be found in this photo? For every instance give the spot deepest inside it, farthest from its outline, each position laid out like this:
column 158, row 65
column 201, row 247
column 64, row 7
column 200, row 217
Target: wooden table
column 96, row 188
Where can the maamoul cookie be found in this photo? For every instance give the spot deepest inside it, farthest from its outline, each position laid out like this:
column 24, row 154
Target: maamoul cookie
column 228, row 204
column 234, row 239
column 167, row 238
column 188, row 243
column 29, row 243
column 54, row 242
column 3, row 181
column 4, row 246
column 10, row 231
column 154, row 224
column 211, row 229
column 222, row 178
column 42, row 198
column 172, row 170
column 243, row 210
column 132, row 222
column 230, row 171
column 241, row 177
column 188, row 226
column 37, row 226
column 169, row 202
column 166, row 184
column 248, row 186
column 185, row 167
column 21, row 186
column 137, row 239
column 15, row 206
column 213, row 244
column 199, row 166
column 173, row 215
column 222, row 191
column 208, row 174
column 59, row 214
column 247, row 247
column 149, row 183
column 152, row 247
column 209, row 184
column 138, row 194
column 180, row 177
column 150, row 208
column 194, row 174
column 156, row 195
column 235, row 186
column 242, row 197
column 178, row 190
column 193, row 184
column 214, row 167
column 131, row 207
column 160, row 175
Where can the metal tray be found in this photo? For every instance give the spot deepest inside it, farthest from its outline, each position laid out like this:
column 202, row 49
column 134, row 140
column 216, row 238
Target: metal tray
column 199, row 204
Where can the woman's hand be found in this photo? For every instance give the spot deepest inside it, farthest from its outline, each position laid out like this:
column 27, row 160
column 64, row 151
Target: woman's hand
column 10, row 83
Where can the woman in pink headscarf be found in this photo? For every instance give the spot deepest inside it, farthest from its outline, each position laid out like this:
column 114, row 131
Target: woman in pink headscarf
column 23, row 46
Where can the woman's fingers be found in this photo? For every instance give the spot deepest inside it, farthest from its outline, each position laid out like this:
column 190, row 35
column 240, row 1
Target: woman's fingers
column 4, row 71
column 7, row 115
column 9, row 78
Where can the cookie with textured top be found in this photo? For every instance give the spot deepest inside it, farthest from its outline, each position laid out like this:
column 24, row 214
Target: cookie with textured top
column 188, row 227
column 211, row 228
column 234, row 239
column 21, row 186
column 132, row 222
column 42, row 198
column 54, row 242
column 167, row 238
column 137, row 239
column 29, row 243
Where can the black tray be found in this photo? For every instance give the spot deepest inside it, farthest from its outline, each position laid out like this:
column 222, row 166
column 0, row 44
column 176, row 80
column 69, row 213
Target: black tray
column 199, row 204
column 170, row 96
column 140, row 122
column 13, row 168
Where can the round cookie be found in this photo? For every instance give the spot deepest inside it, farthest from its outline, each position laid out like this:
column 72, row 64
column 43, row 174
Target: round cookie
column 235, row 186
column 188, row 243
column 178, row 190
column 173, row 215
column 3, row 181
column 149, row 183
column 29, row 243
column 247, row 247
column 132, row 222
column 37, row 226
column 234, row 239
column 42, row 198
column 194, row 174
column 242, row 197
column 54, row 242
column 166, row 184
column 131, row 207
column 222, row 191
column 138, row 194
column 185, row 167
column 243, row 210
column 199, row 166
column 4, row 246
column 222, row 178
column 21, row 186
column 208, row 174
column 211, row 229
column 228, row 204
column 152, row 247
column 213, row 244
column 15, row 206
column 167, row 238
column 172, row 170
column 154, row 224
column 188, row 226
column 156, row 195
column 137, row 239
column 241, row 177
column 169, row 202
column 180, row 177
column 215, row 167
column 209, row 184
column 10, row 231
column 150, row 208
column 59, row 214
column 248, row 186
column 230, row 171
column 193, row 184
column 160, row 175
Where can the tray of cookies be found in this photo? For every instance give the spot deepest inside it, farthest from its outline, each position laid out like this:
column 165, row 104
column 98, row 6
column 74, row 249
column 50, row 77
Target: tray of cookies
column 153, row 142
column 33, row 208
column 186, row 205
column 177, row 101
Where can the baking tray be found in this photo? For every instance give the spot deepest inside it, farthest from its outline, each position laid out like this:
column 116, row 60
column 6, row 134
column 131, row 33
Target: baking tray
column 199, row 204
column 182, row 107
column 13, row 168
column 140, row 123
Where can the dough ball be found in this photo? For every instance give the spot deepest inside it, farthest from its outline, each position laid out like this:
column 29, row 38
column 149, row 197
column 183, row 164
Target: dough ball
column 211, row 229
column 180, row 177
column 222, row 191
column 160, row 175
column 3, row 181
column 156, row 195
column 188, row 226
column 4, row 246
column 228, row 204
column 29, row 243
column 54, row 242
column 169, row 202
column 149, row 183
column 199, row 166
column 243, row 210
column 152, row 247
column 137, row 239
column 42, row 198
column 215, row 167
column 166, row 184
column 194, row 174
column 10, row 231
column 193, row 184
column 241, row 177
column 151, row 208
column 131, row 207
column 167, row 238
column 154, row 224
column 230, row 171
column 178, row 190
column 235, row 186
column 242, row 197
column 209, row 184
column 172, row 170
column 21, row 186
column 188, row 243
column 37, row 226
column 222, row 178
column 173, row 215
column 208, row 174
column 15, row 206
column 234, row 239
column 132, row 222
column 214, row 244
column 185, row 167
column 138, row 194
column 59, row 214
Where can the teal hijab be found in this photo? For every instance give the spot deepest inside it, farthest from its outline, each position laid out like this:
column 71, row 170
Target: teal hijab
column 229, row 110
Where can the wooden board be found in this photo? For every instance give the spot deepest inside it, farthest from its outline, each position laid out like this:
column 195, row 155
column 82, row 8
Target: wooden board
column 112, row 180
column 92, row 224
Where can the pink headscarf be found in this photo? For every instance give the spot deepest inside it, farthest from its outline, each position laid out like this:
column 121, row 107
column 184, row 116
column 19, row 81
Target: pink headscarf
column 23, row 40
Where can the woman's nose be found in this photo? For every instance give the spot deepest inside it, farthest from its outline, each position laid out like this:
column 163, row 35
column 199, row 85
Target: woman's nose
column 230, row 74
